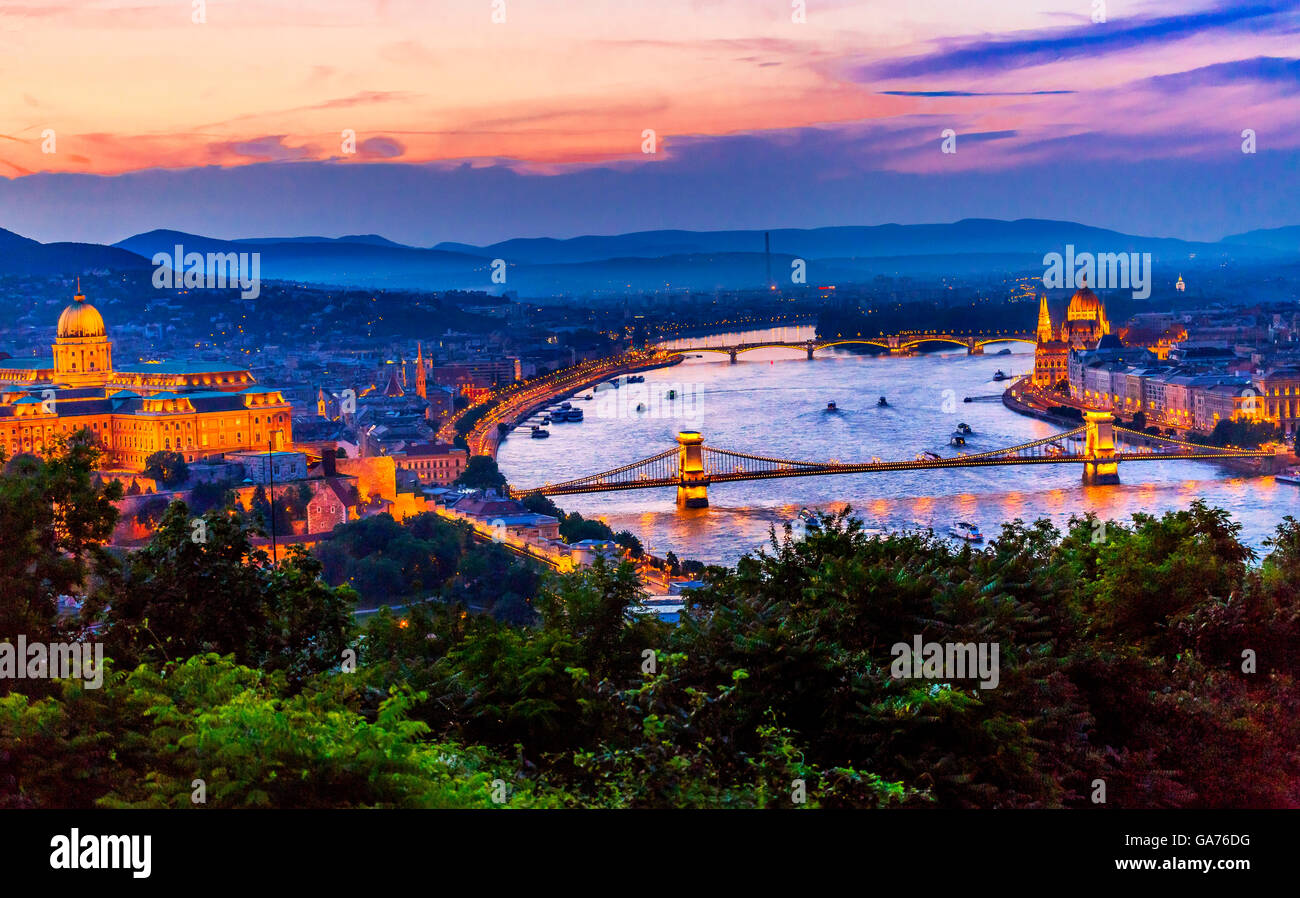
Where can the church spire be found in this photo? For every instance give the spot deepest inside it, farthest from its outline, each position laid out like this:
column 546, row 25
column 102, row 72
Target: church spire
column 1044, row 320
column 421, row 388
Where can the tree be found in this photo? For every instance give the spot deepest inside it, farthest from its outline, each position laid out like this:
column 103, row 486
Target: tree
column 151, row 511
column 629, row 540
column 207, row 495
column 54, row 520
column 200, row 586
column 142, row 741
column 169, row 468
column 481, row 473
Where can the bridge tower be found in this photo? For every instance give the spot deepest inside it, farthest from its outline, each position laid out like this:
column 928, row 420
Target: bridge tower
column 972, row 348
column 732, row 354
column 693, row 482
column 895, row 345
column 810, row 346
column 1099, row 465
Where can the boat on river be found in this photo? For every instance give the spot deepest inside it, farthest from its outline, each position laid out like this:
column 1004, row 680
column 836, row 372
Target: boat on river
column 967, row 531
column 811, row 520
column 881, row 402
column 832, row 407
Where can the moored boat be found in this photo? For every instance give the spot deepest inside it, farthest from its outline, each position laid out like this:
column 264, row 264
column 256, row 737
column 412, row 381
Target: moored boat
column 966, row 530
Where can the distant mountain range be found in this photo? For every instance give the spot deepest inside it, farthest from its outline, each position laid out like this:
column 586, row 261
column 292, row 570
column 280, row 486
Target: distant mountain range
column 25, row 257
column 652, row 260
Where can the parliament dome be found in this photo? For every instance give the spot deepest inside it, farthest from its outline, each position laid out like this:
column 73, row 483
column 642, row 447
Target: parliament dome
column 81, row 319
column 1085, row 306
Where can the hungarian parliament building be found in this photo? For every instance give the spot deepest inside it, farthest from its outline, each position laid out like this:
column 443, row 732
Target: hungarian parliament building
column 197, row 409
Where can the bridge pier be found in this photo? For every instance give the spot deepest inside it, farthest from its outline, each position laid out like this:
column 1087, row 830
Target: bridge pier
column 732, row 354
column 972, row 349
column 693, row 482
column 1100, row 466
column 810, row 347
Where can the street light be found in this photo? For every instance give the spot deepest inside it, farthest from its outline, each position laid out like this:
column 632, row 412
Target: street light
column 270, row 473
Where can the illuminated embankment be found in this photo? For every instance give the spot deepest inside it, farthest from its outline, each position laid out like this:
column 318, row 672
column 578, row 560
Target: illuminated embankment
column 517, row 401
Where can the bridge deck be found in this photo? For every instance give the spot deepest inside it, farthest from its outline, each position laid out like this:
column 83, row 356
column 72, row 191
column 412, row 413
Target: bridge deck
column 812, row 470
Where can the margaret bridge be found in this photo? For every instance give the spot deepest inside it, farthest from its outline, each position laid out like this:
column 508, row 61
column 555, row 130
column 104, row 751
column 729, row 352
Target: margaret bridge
column 896, row 344
column 692, row 467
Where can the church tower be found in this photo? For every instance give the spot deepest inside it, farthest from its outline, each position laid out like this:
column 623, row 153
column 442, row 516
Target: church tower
column 83, row 356
column 1044, row 321
column 421, row 386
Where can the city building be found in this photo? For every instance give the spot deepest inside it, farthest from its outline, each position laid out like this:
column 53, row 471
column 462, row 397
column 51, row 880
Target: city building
column 432, row 463
column 1279, row 392
column 261, row 466
column 199, row 409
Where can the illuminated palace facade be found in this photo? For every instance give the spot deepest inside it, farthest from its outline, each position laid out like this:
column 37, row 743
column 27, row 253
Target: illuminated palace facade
column 197, row 409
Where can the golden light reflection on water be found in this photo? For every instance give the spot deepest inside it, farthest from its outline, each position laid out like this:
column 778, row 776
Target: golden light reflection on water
column 780, row 410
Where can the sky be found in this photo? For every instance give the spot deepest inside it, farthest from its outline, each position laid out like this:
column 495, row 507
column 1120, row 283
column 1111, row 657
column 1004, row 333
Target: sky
column 480, row 120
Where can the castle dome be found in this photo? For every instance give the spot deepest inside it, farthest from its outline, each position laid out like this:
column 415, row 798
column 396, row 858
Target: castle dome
column 81, row 319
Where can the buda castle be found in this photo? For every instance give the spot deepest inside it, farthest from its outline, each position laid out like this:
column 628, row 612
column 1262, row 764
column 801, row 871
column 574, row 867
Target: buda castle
column 200, row 410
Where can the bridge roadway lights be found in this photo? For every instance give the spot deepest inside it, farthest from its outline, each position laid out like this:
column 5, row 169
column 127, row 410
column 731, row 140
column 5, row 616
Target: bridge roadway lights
column 1099, row 466
column 693, row 482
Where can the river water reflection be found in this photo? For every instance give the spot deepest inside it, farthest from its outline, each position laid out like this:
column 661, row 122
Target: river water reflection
column 773, row 402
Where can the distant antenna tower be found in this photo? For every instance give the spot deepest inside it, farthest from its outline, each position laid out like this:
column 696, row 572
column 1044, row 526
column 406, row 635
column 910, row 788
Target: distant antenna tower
column 767, row 255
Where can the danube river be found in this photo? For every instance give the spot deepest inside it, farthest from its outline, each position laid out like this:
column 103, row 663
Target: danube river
column 773, row 402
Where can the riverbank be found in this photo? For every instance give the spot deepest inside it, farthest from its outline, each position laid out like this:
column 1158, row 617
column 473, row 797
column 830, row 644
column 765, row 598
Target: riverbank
column 1010, row 400
column 1250, row 467
column 486, row 437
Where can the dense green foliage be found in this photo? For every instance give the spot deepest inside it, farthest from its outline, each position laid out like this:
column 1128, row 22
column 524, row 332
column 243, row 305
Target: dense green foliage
column 481, row 474
column 169, row 468
column 1159, row 656
column 575, row 528
column 1244, row 434
column 427, row 557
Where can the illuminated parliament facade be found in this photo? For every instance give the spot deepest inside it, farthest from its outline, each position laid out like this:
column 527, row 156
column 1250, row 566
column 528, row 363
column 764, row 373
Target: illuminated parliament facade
column 198, row 409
